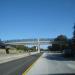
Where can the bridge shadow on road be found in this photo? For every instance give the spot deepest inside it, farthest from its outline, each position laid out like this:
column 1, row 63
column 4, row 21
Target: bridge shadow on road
column 59, row 57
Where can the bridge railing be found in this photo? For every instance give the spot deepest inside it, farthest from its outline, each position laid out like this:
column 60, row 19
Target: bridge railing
column 26, row 40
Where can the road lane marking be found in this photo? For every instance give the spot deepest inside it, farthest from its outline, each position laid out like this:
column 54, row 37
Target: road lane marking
column 25, row 72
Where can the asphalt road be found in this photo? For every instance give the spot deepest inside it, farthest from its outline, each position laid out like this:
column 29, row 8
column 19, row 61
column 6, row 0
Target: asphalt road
column 17, row 67
column 53, row 64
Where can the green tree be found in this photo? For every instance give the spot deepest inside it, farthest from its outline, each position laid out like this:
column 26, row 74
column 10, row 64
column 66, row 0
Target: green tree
column 21, row 47
column 49, row 48
column 60, row 43
column 33, row 48
column 3, row 46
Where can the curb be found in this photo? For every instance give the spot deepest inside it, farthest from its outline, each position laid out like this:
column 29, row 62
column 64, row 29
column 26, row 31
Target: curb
column 25, row 72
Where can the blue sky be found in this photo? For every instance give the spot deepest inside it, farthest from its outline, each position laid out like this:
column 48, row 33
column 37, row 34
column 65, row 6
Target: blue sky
column 21, row 19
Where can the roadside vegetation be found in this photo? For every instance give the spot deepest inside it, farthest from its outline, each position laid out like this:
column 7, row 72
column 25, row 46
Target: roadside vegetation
column 59, row 43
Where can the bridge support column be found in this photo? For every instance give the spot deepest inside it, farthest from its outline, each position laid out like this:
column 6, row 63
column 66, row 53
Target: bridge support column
column 38, row 46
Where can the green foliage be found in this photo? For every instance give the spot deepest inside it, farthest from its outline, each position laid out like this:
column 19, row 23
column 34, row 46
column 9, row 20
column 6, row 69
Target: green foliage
column 62, row 38
column 25, row 48
column 21, row 47
column 33, row 48
column 50, row 48
column 62, row 43
column 7, row 50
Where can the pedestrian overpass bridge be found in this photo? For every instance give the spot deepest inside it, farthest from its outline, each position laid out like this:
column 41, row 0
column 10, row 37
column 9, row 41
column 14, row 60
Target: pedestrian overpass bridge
column 35, row 42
